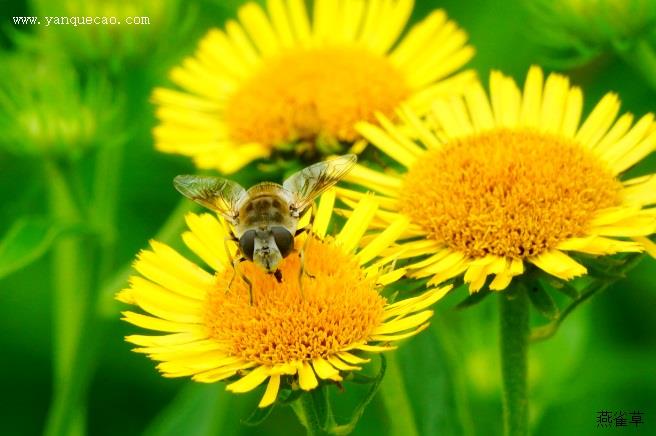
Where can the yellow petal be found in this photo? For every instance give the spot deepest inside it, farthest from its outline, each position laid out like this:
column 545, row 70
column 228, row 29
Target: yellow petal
column 556, row 90
column 259, row 28
column 351, row 358
column 573, row 111
column 505, row 97
column 218, row 374
column 280, row 22
column 386, row 144
column 599, row 120
column 374, row 180
column 241, row 42
column 271, row 392
column 168, row 268
column 306, row 378
column 164, row 340
column 630, row 139
column 599, row 245
column 648, row 245
column 405, row 323
column 401, row 336
column 391, row 277
column 250, row 381
column 558, row 264
column 357, row 223
column 501, row 281
column 411, row 119
column 153, row 323
column 414, row 304
column 447, row 262
column 324, row 213
column 375, row 348
column 164, row 304
column 400, row 137
column 640, row 191
column 532, row 97
column 299, row 19
column 479, row 107
column 417, row 37
column 325, row 370
column 339, row 364
column 383, row 240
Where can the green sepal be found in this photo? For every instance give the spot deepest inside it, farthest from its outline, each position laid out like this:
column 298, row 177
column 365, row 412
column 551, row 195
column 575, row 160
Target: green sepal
column 321, row 405
column 291, row 396
column 605, row 273
column 474, row 298
column 543, row 302
column 564, row 287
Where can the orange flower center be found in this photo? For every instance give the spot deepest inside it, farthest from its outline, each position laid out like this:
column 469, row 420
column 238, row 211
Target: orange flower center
column 509, row 193
column 314, row 93
column 337, row 307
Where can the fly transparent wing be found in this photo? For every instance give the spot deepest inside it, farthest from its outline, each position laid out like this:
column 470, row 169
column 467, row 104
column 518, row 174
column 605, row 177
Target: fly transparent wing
column 310, row 182
column 220, row 195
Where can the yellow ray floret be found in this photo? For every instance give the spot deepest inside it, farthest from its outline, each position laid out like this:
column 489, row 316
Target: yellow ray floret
column 492, row 182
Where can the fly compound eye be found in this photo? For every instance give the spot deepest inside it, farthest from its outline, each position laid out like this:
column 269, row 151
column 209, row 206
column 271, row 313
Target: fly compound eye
column 284, row 240
column 247, row 244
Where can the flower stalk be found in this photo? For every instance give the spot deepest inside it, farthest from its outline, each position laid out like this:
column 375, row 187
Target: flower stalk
column 514, row 340
column 307, row 414
column 71, row 286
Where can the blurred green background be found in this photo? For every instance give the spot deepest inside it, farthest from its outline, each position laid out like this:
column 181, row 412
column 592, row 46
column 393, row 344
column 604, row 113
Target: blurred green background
column 603, row 358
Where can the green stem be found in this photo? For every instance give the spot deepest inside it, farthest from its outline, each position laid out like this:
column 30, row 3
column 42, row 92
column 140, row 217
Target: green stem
column 514, row 335
column 396, row 400
column 306, row 413
column 70, row 299
column 105, row 202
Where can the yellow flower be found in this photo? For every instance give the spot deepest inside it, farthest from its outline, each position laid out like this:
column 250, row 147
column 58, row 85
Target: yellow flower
column 290, row 335
column 496, row 183
column 277, row 79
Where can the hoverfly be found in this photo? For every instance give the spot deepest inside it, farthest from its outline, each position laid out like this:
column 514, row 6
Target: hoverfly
column 265, row 217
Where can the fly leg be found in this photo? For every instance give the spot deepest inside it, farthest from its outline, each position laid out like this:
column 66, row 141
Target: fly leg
column 227, row 239
column 235, row 260
column 301, row 253
column 242, row 276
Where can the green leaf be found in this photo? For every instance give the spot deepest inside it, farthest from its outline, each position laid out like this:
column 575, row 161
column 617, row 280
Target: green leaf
column 361, row 379
column 543, row 302
column 359, row 410
column 26, row 241
column 198, row 410
column 258, row 416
